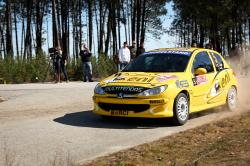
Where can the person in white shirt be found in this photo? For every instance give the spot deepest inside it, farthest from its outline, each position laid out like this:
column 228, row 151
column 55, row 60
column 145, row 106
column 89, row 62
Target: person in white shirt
column 124, row 56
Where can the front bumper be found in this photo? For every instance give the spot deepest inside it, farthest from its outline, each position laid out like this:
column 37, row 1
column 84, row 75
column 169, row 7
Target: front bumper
column 133, row 107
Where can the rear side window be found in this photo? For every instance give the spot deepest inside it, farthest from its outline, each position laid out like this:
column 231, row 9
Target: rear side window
column 219, row 65
column 202, row 60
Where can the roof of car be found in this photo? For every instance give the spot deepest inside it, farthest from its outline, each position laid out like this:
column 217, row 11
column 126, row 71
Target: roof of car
column 191, row 49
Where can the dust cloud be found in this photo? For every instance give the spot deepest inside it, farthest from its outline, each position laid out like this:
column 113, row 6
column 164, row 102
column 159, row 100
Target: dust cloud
column 240, row 63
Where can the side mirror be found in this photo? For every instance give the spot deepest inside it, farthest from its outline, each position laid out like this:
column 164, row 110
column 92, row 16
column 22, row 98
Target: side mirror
column 200, row 71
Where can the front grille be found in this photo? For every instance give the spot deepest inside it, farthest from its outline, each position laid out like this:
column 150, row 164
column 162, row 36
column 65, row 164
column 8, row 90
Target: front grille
column 124, row 89
column 128, row 107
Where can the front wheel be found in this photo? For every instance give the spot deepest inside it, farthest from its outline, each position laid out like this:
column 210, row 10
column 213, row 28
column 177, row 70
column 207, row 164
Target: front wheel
column 232, row 99
column 181, row 109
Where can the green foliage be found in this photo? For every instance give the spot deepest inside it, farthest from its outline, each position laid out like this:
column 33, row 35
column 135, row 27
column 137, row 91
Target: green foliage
column 40, row 69
column 103, row 66
column 18, row 71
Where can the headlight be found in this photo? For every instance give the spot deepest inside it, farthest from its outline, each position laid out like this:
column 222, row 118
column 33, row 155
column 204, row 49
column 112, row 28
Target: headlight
column 153, row 91
column 99, row 90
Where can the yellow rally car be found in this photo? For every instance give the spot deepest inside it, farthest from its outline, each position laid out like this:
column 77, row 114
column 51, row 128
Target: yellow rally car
column 168, row 83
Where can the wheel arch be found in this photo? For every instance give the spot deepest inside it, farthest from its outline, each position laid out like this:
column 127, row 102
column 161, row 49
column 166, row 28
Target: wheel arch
column 186, row 93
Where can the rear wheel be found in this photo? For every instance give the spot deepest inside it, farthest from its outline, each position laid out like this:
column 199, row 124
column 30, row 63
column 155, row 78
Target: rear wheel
column 232, row 99
column 181, row 109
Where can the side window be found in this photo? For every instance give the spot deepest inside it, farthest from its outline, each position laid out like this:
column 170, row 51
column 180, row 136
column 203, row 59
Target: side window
column 217, row 61
column 203, row 60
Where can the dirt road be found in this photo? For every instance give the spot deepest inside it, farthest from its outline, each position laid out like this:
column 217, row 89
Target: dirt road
column 44, row 123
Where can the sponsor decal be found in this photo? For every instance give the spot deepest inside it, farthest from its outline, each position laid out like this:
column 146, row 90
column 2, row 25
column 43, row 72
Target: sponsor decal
column 119, row 112
column 198, row 80
column 140, row 79
column 123, row 89
column 165, row 78
column 170, row 52
column 225, row 80
column 215, row 89
column 182, row 84
column 156, row 101
column 120, row 95
column 119, row 78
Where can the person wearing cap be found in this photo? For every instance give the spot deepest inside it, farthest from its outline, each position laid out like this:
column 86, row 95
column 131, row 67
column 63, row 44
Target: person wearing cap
column 87, row 66
column 133, row 50
column 123, row 56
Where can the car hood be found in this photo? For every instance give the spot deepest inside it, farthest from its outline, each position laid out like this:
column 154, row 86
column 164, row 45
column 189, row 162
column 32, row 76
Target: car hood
column 140, row 79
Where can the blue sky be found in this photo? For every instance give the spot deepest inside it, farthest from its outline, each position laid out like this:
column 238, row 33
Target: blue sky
column 166, row 40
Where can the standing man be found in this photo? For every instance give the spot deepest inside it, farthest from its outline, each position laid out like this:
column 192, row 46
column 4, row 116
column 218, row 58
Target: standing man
column 140, row 50
column 63, row 67
column 124, row 56
column 87, row 66
column 133, row 50
column 57, row 63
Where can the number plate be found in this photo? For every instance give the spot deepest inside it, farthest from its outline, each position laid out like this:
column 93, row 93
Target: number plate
column 119, row 112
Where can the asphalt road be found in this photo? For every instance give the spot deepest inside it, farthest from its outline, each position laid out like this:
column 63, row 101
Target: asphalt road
column 45, row 123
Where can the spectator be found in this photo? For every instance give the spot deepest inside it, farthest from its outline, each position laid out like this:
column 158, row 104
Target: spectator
column 209, row 46
column 140, row 50
column 133, row 50
column 124, row 56
column 63, row 67
column 87, row 66
column 194, row 44
column 57, row 63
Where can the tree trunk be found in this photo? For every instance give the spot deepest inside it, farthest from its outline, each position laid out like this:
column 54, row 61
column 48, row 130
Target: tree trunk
column 56, row 42
column 102, row 20
column 64, row 25
column 143, row 23
column 58, row 22
column 108, row 33
column 80, row 24
column 90, row 15
column 28, row 39
column 118, row 9
column 39, row 24
column 15, row 20
column 228, row 40
column 138, row 22
column 133, row 7
column 3, row 50
column 9, row 44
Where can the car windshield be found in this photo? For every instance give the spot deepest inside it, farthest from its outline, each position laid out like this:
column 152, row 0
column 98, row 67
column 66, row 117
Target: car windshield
column 159, row 62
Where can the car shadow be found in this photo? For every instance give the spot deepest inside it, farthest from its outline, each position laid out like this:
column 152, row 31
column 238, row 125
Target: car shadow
column 88, row 119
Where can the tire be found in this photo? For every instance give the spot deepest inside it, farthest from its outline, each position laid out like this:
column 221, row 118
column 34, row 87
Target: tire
column 232, row 99
column 181, row 109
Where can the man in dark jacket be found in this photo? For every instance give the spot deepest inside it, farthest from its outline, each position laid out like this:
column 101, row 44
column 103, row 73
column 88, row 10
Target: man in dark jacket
column 87, row 66
column 133, row 50
column 63, row 67
column 57, row 63
column 140, row 50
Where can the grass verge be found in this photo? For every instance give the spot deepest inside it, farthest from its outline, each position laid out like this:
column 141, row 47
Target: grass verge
column 225, row 142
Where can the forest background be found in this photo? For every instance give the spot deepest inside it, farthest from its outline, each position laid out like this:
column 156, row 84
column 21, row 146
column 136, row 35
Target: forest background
column 29, row 27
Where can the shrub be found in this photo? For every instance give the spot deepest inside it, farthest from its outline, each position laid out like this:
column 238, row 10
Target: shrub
column 40, row 69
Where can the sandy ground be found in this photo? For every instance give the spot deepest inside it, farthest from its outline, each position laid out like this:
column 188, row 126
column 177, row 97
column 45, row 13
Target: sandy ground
column 41, row 123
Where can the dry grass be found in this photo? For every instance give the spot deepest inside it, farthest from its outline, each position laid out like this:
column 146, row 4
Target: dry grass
column 221, row 143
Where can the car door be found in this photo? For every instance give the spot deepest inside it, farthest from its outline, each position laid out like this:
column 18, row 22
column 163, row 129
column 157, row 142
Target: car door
column 218, row 91
column 202, row 83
